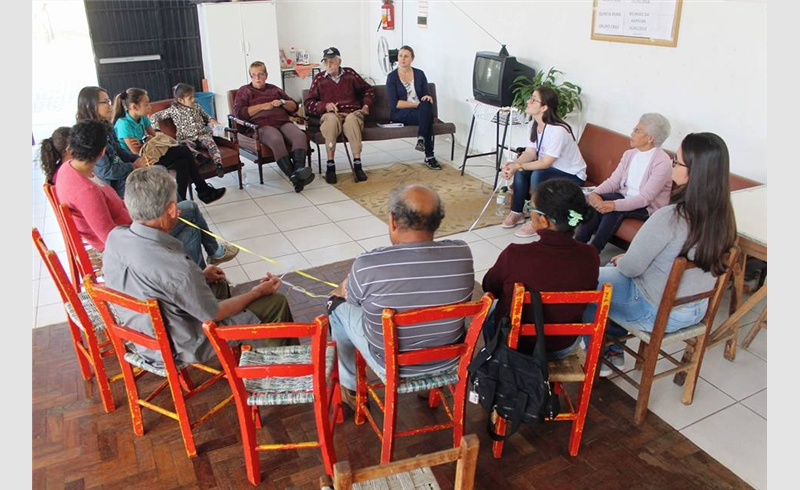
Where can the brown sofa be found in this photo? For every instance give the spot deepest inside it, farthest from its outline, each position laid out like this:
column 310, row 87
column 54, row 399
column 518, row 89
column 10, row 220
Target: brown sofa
column 602, row 150
column 379, row 113
column 229, row 149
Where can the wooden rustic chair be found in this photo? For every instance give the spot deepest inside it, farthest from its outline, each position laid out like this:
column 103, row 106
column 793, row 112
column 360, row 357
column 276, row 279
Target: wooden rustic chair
column 177, row 375
column 570, row 369
column 82, row 258
column 412, row 473
column 696, row 336
column 281, row 376
column 455, row 379
column 250, row 144
column 85, row 325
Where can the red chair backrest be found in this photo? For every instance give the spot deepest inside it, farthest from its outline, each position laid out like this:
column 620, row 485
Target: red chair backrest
column 77, row 256
column 391, row 320
column 595, row 329
column 65, row 288
column 102, row 296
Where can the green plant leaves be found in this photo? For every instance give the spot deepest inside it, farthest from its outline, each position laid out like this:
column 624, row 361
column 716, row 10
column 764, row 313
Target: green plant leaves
column 568, row 93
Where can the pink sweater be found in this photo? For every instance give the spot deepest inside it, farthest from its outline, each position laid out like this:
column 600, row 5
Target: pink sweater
column 654, row 191
column 97, row 210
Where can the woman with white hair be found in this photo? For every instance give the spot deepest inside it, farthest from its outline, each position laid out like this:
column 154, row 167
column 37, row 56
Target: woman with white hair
column 639, row 186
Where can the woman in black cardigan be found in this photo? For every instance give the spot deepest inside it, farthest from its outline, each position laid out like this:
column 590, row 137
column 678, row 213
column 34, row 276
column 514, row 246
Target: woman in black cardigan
column 411, row 102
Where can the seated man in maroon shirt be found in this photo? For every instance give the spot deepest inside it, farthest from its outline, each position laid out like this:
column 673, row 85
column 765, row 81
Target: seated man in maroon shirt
column 268, row 106
column 342, row 99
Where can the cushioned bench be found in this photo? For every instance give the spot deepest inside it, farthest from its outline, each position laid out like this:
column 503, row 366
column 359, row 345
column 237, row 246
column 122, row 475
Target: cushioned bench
column 228, row 149
column 602, row 150
column 379, row 113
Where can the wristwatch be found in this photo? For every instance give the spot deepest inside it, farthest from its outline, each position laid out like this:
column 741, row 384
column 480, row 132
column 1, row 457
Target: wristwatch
column 283, row 101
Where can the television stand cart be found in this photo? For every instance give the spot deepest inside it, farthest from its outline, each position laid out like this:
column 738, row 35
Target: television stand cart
column 501, row 116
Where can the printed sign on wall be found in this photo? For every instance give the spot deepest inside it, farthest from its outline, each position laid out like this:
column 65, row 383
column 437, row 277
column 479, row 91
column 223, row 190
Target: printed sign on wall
column 637, row 21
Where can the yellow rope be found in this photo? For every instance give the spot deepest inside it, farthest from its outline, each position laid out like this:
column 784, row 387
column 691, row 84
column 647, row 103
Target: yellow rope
column 271, row 261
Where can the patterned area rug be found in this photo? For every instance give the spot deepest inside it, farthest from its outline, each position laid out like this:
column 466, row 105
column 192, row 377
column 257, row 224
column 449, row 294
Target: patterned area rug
column 463, row 197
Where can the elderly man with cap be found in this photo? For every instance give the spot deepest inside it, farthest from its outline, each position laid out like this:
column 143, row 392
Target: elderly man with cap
column 342, row 99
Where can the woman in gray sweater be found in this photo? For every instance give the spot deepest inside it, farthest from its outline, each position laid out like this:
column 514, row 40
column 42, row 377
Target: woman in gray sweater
column 698, row 224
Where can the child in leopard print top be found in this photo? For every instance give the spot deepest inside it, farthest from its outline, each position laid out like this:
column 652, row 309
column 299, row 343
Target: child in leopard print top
column 191, row 123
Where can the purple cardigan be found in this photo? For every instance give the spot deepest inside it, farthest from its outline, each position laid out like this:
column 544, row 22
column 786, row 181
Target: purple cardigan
column 654, row 190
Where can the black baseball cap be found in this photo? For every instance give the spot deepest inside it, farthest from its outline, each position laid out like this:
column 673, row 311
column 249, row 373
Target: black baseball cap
column 330, row 53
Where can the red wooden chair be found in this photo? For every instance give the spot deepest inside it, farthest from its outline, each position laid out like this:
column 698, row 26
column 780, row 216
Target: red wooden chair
column 177, row 376
column 570, row 369
column 455, row 379
column 82, row 258
column 281, row 376
column 84, row 323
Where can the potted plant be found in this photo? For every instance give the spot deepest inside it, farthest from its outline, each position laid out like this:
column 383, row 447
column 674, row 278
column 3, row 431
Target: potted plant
column 569, row 94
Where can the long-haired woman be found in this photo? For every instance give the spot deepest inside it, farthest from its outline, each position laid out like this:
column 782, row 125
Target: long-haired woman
column 698, row 224
column 551, row 153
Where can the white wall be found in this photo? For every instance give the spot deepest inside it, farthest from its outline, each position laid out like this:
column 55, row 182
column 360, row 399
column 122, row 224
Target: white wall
column 714, row 80
column 314, row 25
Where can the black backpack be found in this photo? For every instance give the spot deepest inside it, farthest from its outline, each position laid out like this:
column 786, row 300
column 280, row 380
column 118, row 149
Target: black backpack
column 514, row 384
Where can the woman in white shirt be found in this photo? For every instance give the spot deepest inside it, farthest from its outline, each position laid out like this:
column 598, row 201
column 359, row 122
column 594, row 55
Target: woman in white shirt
column 551, row 153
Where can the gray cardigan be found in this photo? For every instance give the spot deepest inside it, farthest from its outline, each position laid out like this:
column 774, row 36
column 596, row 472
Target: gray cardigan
column 652, row 252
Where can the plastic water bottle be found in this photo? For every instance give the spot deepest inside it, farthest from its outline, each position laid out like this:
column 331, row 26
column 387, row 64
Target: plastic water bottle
column 293, row 56
column 501, row 208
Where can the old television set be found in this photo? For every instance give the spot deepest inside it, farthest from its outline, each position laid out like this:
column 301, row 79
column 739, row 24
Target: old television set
column 493, row 74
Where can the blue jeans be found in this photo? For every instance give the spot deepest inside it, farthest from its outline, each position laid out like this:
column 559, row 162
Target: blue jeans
column 347, row 328
column 527, row 180
column 489, row 329
column 630, row 308
column 422, row 116
column 194, row 241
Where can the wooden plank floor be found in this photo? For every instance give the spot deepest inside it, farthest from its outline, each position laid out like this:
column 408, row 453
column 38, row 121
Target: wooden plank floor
column 78, row 446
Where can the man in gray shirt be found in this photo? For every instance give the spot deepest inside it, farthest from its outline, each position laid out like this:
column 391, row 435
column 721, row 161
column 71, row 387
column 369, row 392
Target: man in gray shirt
column 414, row 272
column 144, row 261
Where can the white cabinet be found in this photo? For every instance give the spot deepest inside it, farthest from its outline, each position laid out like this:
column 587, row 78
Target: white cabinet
column 233, row 35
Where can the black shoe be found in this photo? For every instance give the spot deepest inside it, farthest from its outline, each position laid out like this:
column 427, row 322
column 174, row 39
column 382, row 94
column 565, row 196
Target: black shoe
column 330, row 174
column 220, row 170
column 301, row 183
column 360, row 175
column 432, row 163
column 212, row 194
column 420, row 145
column 285, row 164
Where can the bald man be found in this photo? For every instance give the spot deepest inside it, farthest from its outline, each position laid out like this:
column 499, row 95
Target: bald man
column 413, row 272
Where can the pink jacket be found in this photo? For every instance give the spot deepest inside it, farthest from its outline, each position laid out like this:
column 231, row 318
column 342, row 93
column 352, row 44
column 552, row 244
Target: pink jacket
column 654, row 190
column 96, row 210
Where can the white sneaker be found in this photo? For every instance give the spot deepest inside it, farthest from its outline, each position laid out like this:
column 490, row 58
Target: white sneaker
column 617, row 359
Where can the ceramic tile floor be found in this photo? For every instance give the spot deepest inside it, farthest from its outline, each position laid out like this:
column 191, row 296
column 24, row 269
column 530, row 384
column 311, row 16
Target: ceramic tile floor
column 322, row 225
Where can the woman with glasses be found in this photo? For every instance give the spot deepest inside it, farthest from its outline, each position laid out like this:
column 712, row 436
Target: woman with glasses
column 697, row 224
column 637, row 188
column 554, row 263
column 551, row 153
column 94, row 104
column 269, row 107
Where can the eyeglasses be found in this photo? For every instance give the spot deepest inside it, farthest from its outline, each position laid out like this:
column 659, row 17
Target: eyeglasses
column 259, row 75
column 533, row 209
column 532, row 100
column 637, row 131
column 676, row 163
column 106, row 102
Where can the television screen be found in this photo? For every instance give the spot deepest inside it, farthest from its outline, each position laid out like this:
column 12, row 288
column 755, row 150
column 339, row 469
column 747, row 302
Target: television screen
column 487, row 75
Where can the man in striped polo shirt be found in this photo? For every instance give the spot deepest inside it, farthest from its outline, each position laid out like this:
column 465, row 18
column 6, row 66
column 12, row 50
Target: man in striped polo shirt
column 413, row 272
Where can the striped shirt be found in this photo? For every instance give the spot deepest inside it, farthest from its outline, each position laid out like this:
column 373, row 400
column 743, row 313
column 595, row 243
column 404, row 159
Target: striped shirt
column 410, row 276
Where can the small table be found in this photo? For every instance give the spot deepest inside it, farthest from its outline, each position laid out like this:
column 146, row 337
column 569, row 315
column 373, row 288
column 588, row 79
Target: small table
column 291, row 72
column 750, row 208
column 501, row 116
